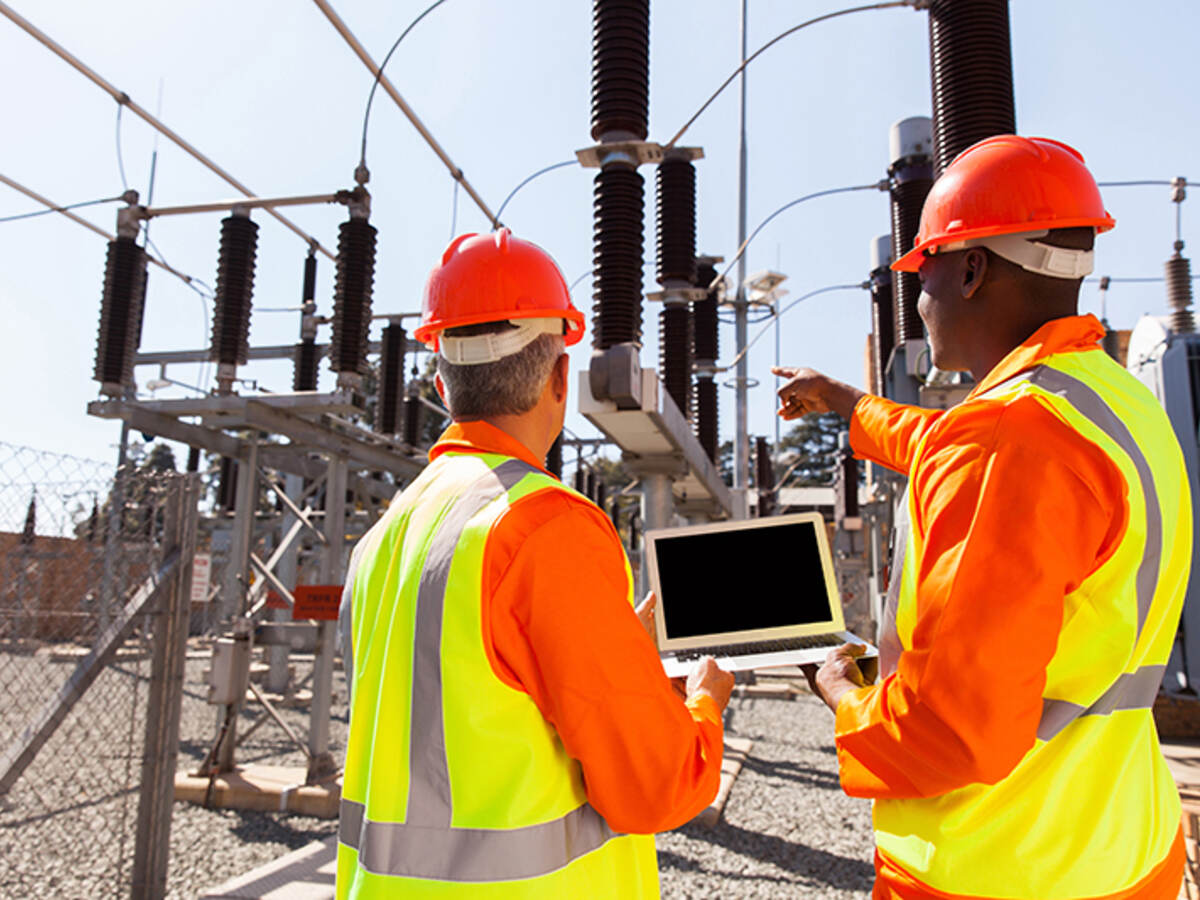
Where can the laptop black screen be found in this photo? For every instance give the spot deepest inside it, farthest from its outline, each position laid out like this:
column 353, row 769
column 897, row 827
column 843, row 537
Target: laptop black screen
column 740, row 580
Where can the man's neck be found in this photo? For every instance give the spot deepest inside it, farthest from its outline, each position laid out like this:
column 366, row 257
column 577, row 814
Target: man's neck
column 524, row 428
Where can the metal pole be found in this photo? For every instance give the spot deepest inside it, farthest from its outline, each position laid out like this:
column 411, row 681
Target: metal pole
column 112, row 537
column 235, row 585
column 277, row 655
column 161, row 748
column 741, row 443
column 777, row 364
column 320, row 761
column 658, row 511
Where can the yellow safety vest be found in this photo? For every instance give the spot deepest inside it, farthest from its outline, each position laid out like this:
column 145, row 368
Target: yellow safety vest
column 455, row 785
column 1091, row 809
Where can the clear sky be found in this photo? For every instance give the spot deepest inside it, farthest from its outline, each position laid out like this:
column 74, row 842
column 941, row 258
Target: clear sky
column 270, row 91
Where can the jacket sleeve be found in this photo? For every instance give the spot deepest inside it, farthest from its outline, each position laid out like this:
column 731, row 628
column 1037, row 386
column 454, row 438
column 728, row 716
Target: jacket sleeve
column 887, row 432
column 1015, row 513
column 563, row 629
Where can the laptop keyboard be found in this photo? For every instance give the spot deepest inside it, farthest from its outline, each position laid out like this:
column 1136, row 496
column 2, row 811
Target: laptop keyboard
column 799, row 643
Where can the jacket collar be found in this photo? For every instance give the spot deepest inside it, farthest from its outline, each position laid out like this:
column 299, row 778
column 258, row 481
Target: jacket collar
column 1065, row 335
column 481, row 437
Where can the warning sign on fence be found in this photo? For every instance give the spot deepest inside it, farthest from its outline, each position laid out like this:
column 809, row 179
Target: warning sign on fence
column 201, row 577
column 317, row 601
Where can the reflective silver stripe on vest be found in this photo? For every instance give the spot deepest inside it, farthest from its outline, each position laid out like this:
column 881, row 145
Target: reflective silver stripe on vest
column 471, row 854
column 425, row 845
column 1131, row 690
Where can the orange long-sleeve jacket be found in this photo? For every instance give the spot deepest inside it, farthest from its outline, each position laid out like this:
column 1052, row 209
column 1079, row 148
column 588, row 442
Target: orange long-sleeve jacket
column 559, row 626
column 1016, row 510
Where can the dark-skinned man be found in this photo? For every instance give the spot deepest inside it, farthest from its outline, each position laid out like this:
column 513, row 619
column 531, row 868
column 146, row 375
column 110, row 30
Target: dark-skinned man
column 1009, row 747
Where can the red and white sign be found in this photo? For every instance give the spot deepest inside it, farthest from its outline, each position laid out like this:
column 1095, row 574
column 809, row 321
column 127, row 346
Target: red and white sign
column 317, row 601
column 201, row 577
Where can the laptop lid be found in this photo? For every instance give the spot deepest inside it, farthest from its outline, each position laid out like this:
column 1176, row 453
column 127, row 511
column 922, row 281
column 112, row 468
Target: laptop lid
column 720, row 583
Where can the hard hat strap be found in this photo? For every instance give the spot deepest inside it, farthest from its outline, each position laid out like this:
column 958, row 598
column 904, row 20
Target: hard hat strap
column 1025, row 251
column 478, row 349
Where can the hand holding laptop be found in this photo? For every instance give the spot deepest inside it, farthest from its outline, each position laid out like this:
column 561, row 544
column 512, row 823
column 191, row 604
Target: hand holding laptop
column 706, row 676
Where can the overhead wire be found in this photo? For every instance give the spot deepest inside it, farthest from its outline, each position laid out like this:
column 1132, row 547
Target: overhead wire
column 124, row 99
column 874, row 186
column 915, row 4
column 859, row 286
column 348, row 36
column 120, row 156
column 59, row 209
column 538, row 173
column 379, row 74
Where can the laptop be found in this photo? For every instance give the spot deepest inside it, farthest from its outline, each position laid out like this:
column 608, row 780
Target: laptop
column 753, row 593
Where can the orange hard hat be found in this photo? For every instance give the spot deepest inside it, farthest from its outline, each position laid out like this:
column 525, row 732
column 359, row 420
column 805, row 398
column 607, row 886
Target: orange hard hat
column 1007, row 185
column 494, row 278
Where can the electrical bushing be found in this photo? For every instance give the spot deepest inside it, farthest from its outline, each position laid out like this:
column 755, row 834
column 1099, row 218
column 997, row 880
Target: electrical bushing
column 676, row 211
column 615, row 370
column 910, row 176
column 390, row 398
column 617, row 258
column 120, row 315
column 412, row 420
column 227, row 484
column 675, row 354
column 231, row 308
column 1178, row 271
column 304, row 369
column 970, row 56
column 883, row 335
column 764, row 476
column 705, row 349
column 620, row 113
column 352, row 300
column 620, row 69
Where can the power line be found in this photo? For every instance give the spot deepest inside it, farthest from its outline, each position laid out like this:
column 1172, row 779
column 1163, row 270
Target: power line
column 123, row 99
column 513, row 192
column 825, row 290
column 874, row 186
column 379, row 74
column 915, row 4
column 58, row 209
column 455, row 172
column 96, row 229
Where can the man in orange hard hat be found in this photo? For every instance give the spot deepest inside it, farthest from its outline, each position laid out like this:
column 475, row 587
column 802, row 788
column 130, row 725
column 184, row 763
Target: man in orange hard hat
column 512, row 732
column 1009, row 747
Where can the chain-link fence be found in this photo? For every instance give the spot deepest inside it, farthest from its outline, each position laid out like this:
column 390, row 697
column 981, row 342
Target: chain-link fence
column 92, row 569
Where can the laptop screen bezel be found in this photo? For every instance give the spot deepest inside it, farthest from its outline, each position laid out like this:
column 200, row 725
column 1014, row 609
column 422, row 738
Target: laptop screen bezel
column 662, row 614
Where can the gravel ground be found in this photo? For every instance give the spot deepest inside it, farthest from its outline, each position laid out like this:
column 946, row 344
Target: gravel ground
column 788, row 831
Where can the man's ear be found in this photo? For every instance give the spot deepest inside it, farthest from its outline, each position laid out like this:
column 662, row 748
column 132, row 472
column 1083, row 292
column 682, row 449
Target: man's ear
column 974, row 269
column 441, row 388
column 559, row 377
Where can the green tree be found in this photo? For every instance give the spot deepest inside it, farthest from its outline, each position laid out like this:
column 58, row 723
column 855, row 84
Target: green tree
column 808, row 454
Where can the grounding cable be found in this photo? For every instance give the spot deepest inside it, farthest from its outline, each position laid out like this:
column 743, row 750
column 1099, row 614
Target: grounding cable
column 539, row 172
column 455, row 172
column 59, row 209
column 873, row 186
column 859, row 286
column 66, row 211
column 914, row 4
column 123, row 99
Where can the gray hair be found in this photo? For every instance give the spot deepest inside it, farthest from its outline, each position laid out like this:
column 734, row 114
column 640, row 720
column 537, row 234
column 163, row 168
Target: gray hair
column 508, row 386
